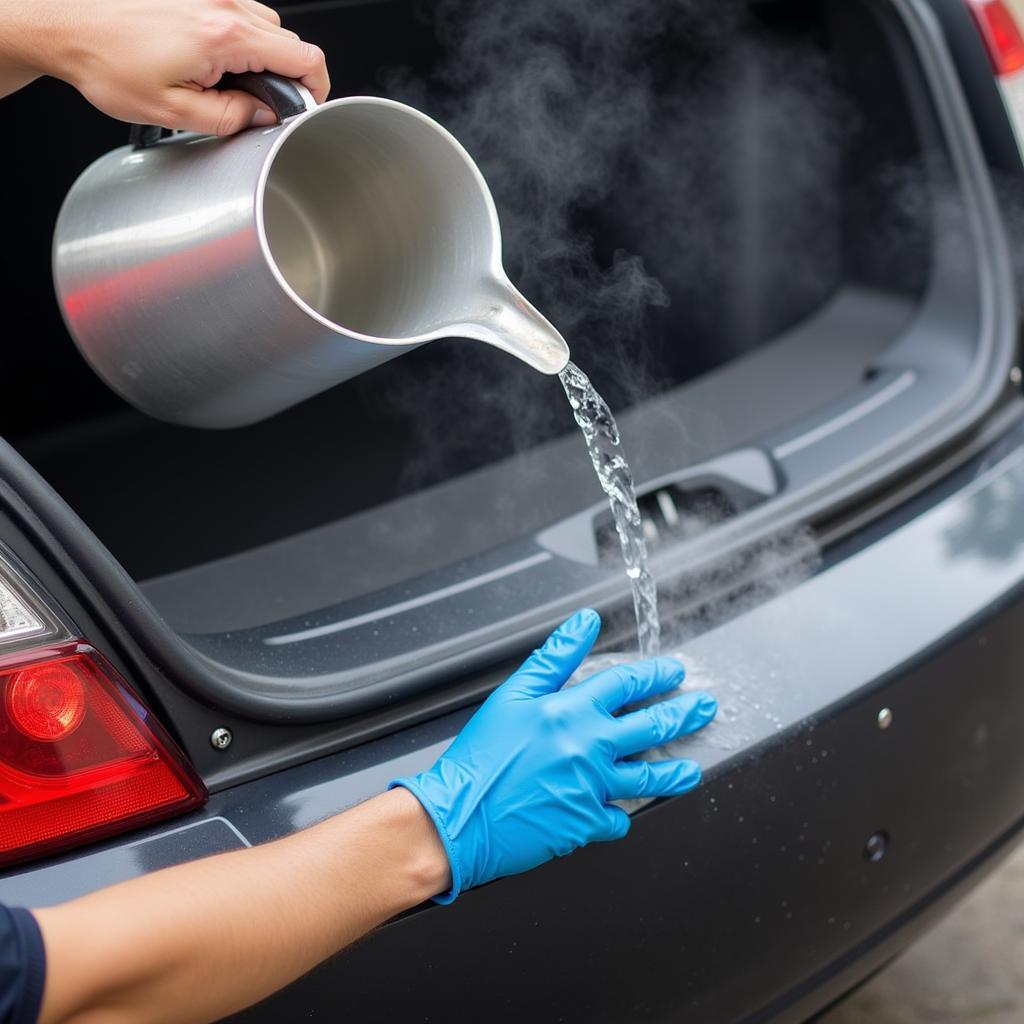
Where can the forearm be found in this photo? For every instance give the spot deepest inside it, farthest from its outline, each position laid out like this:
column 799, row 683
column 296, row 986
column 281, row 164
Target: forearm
column 21, row 27
column 230, row 930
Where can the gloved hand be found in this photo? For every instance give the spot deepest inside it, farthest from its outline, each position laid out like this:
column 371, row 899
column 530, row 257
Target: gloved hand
column 531, row 775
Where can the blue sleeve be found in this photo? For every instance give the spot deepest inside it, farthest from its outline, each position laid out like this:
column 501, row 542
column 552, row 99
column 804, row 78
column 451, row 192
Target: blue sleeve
column 22, row 967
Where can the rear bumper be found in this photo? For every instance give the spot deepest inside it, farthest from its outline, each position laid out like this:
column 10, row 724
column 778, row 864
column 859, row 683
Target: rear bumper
column 751, row 899
column 732, row 906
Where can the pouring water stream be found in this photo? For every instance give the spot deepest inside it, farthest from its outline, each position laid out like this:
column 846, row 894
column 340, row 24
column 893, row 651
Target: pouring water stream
column 512, row 324
column 601, row 434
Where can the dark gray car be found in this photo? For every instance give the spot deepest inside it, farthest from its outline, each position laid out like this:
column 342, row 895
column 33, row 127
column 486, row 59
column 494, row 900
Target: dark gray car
column 778, row 235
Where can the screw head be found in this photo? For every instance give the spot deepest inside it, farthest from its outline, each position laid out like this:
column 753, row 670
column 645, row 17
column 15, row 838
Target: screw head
column 875, row 847
column 884, row 718
column 220, row 739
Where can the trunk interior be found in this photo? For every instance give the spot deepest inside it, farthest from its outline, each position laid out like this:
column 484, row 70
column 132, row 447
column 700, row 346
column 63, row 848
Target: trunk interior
column 746, row 221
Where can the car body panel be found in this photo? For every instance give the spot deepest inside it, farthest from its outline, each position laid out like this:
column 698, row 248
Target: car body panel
column 763, row 868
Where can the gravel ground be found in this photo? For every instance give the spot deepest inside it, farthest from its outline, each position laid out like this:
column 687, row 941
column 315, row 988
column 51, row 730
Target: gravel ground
column 969, row 968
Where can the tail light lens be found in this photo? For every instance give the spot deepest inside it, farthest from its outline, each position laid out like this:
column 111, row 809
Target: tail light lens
column 1000, row 31
column 19, row 620
column 80, row 755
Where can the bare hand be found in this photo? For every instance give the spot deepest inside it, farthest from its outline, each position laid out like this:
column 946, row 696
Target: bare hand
column 156, row 62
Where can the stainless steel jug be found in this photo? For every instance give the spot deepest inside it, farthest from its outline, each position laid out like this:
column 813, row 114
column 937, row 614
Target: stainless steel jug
column 215, row 282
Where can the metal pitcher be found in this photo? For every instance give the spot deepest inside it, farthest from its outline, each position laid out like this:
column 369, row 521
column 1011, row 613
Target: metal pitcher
column 215, row 282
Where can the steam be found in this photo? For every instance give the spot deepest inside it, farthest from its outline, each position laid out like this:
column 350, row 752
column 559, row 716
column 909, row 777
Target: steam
column 667, row 207
column 748, row 694
column 548, row 97
column 728, row 588
column 657, row 168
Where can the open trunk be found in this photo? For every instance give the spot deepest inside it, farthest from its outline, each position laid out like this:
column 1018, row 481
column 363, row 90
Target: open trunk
column 765, row 231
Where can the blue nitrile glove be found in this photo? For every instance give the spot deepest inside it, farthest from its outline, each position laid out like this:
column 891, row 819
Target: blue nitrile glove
column 531, row 775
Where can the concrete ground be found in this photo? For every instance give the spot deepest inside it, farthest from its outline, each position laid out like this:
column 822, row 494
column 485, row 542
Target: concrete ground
column 969, row 968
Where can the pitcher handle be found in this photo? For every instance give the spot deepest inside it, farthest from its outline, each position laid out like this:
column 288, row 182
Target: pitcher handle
column 285, row 97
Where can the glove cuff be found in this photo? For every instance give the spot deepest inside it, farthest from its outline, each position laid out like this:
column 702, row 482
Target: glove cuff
column 413, row 786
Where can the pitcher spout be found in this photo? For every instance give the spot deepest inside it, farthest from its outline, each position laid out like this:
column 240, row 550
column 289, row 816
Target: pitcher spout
column 507, row 321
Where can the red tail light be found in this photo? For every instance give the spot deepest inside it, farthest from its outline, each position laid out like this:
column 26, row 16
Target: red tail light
column 80, row 756
column 1001, row 34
